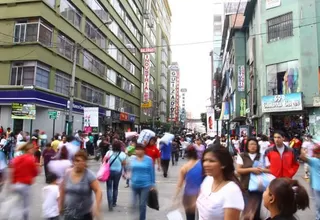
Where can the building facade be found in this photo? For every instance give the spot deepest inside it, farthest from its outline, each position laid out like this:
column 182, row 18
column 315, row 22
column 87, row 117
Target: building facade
column 157, row 23
column 282, row 71
column 38, row 41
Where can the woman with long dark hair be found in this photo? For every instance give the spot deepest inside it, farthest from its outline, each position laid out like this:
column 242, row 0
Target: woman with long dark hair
column 220, row 195
column 284, row 197
column 245, row 166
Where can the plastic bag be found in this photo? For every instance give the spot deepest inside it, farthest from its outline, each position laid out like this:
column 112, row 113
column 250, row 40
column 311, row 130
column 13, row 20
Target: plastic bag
column 153, row 201
column 259, row 182
column 131, row 134
column 167, row 138
column 175, row 215
column 145, row 136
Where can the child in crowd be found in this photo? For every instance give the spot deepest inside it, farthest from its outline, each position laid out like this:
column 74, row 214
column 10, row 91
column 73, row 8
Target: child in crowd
column 50, row 195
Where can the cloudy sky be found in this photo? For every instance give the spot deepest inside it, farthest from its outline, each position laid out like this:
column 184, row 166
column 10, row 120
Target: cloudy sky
column 192, row 24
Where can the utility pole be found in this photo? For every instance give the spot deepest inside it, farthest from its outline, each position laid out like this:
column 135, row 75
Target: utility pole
column 72, row 85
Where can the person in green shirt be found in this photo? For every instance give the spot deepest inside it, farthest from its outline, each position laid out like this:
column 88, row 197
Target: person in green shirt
column 131, row 152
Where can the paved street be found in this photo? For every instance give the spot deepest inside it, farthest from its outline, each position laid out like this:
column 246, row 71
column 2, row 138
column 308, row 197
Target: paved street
column 166, row 187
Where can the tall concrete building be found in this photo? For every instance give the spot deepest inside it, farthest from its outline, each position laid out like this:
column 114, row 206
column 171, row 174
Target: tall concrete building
column 157, row 23
column 37, row 42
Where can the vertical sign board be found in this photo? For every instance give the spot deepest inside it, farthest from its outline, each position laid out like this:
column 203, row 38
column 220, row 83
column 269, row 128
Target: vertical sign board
column 91, row 118
column 173, row 83
column 146, row 77
column 241, row 78
column 177, row 96
column 211, row 128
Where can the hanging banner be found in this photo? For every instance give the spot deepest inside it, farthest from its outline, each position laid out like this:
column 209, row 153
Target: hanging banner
column 146, row 77
column 173, row 93
column 211, row 127
column 23, row 111
column 241, row 78
column 90, row 118
column 243, row 106
column 177, row 107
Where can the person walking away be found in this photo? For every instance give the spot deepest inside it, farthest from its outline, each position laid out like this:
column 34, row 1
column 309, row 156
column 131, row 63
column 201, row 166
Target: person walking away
column 24, row 169
column 175, row 151
column 152, row 151
column 191, row 175
column 307, row 147
column 50, row 198
column 43, row 139
column 90, row 145
column 165, row 155
column 284, row 197
column 142, row 180
column 47, row 154
column 55, row 143
column 117, row 160
column 314, row 167
column 236, row 143
column 76, row 191
column 245, row 162
column 104, row 146
column 199, row 147
column 280, row 159
column 131, row 153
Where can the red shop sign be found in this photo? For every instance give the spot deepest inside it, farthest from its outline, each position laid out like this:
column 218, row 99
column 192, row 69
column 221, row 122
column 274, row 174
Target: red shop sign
column 124, row 117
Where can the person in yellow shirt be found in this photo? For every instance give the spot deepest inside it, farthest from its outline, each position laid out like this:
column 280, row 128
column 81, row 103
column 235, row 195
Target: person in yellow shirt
column 55, row 143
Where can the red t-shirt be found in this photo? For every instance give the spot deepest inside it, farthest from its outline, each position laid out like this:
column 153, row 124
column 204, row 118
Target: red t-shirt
column 153, row 152
column 24, row 169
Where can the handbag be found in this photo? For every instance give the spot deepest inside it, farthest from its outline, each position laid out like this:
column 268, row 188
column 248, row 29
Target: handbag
column 153, row 201
column 259, row 182
column 104, row 170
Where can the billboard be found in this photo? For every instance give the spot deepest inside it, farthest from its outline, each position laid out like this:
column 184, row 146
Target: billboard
column 146, row 77
column 23, row 111
column 211, row 128
column 90, row 118
column 173, row 95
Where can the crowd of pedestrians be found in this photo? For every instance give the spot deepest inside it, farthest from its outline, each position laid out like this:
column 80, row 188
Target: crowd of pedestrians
column 215, row 181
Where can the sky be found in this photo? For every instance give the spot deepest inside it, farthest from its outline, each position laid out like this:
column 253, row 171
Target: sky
column 192, row 23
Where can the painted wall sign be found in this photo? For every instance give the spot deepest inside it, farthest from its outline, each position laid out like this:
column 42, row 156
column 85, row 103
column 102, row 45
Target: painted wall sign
column 241, row 78
column 282, row 103
column 272, row 3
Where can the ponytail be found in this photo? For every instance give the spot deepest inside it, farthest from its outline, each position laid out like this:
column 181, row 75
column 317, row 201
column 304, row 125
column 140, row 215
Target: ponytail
column 290, row 196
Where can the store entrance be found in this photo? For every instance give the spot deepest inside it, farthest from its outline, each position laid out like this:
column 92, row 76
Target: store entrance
column 17, row 125
column 291, row 124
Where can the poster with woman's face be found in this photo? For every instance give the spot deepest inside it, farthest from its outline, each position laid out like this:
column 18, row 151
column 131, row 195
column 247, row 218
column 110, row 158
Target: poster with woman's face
column 210, row 122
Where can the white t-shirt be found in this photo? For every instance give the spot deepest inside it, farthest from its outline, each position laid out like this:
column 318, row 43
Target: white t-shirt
column 240, row 160
column 236, row 144
column 50, row 196
column 281, row 150
column 211, row 205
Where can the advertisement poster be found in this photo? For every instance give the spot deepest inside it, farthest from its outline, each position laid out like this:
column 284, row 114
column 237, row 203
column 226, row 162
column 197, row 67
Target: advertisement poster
column 91, row 118
column 211, row 123
column 282, row 103
column 23, row 111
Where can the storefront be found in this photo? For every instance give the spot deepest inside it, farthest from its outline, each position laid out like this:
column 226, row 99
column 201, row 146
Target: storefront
column 286, row 113
column 122, row 121
column 44, row 104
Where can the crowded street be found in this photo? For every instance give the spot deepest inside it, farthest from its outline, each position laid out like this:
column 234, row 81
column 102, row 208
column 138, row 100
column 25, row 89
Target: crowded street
column 166, row 187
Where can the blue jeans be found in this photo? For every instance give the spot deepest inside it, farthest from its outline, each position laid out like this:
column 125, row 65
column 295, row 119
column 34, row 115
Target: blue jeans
column 112, row 187
column 317, row 200
column 142, row 195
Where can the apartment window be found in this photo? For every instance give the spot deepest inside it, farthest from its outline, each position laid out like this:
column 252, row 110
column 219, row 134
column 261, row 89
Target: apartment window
column 62, row 83
column 116, row 5
column 93, row 64
column 33, row 30
column 42, row 76
column 91, row 94
column 95, row 35
column 217, row 28
column 280, row 27
column 30, row 73
column 119, row 80
column 112, row 50
column 117, row 103
column 120, row 57
column 69, row 12
column 217, row 18
column 65, row 46
column 111, row 76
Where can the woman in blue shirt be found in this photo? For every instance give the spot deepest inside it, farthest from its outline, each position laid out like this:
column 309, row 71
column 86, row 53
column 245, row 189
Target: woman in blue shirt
column 142, row 179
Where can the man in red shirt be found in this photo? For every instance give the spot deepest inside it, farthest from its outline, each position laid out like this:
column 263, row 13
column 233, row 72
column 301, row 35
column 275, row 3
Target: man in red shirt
column 152, row 151
column 280, row 159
